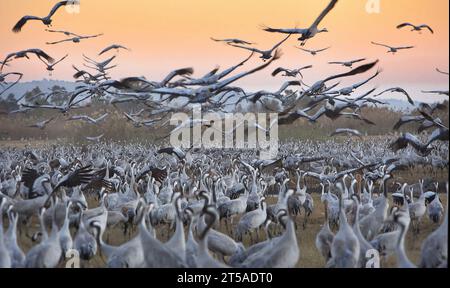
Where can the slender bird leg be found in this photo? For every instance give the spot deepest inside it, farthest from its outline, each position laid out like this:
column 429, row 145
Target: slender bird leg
column 226, row 225
column 251, row 237
column 231, row 220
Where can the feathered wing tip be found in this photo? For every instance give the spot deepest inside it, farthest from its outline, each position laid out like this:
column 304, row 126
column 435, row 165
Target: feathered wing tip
column 276, row 71
column 264, row 27
column 186, row 71
column 18, row 27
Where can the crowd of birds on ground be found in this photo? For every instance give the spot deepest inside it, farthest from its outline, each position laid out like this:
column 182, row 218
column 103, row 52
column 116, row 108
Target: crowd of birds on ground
column 80, row 194
column 141, row 189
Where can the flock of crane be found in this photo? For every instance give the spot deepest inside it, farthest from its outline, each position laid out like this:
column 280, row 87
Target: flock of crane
column 173, row 204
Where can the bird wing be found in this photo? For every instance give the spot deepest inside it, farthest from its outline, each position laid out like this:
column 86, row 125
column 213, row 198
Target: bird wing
column 404, row 47
column 270, row 166
column 101, row 117
column 438, row 134
column 306, row 67
column 231, row 69
column 414, row 141
column 9, row 56
column 57, row 6
column 404, row 25
column 281, row 42
column 76, row 117
column 18, row 27
column 379, row 44
column 358, row 60
column 129, row 117
column 406, row 119
column 353, row 170
column 247, row 48
column 61, row 41
column 211, row 73
column 278, row 70
column 410, row 100
column 80, row 176
column 60, row 60
column 40, row 53
column 357, row 85
column 174, row 91
column 306, row 50
column 324, row 13
column 428, row 27
column 442, row 72
column 171, row 151
column 285, row 31
column 287, row 84
column 90, row 60
column 320, row 50
column 241, row 75
column 184, row 71
column 346, row 131
column 106, row 50
column 28, row 177
column 63, row 32
column 358, row 70
column 107, row 61
column 91, row 36
column 159, row 174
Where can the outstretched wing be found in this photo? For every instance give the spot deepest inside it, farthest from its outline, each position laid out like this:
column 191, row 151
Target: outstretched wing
column 39, row 53
column 277, row 71
column 379, row 44
column 285, row 31
column 180, row 72
column 356, row 71
column 58, row 5
column 320, row 50
column 404, row 25
column 19, row 25
column 247, row 48
column 29, row 176
column 325, row 12
column 428, row 27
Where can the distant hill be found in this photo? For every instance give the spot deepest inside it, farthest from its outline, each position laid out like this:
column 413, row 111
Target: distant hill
column 24, row 87
column 397, row 105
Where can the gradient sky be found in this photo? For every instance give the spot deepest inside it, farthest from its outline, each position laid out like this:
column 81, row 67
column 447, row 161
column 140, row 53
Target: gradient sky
column 169, row 34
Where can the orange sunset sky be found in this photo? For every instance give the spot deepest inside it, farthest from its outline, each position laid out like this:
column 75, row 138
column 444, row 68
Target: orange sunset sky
column 169, row 34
